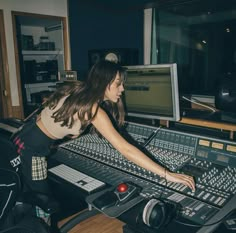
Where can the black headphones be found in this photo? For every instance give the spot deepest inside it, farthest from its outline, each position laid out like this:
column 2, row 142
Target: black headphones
column 158, row 213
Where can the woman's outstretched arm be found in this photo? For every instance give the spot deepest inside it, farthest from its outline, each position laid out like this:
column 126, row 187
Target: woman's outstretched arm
column 103, row 124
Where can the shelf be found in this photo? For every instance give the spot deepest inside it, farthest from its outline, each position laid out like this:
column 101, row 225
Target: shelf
column 41, row 52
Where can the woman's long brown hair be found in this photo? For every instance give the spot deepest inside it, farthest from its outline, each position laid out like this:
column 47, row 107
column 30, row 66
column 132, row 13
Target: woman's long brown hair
column 82, row 96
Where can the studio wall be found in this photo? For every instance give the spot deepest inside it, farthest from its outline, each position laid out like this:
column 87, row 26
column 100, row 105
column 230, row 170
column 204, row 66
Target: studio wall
column 97, row 25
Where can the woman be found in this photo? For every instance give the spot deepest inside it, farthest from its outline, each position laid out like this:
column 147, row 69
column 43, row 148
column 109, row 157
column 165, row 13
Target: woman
column 69, row 111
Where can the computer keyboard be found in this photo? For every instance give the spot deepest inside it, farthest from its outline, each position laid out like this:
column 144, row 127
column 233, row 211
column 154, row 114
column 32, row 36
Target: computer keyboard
column 77, row 178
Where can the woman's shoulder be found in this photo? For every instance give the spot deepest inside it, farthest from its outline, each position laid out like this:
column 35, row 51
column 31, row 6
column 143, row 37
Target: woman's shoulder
column 95, row 107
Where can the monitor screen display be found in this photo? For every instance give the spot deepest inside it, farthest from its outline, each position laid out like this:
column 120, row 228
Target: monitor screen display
column 151, row 91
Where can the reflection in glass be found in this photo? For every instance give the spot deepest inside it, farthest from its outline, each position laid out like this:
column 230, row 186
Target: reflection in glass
column 200, row 37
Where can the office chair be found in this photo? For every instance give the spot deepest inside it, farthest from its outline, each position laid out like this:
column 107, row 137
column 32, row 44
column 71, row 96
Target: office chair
column 16, row 218
column 16, row 207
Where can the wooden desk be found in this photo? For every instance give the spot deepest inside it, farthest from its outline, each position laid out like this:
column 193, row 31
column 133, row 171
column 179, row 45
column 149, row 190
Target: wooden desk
column 211, row 124
column 206, row 123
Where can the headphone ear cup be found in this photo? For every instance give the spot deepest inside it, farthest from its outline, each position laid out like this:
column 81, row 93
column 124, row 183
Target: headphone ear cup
column 154, row 213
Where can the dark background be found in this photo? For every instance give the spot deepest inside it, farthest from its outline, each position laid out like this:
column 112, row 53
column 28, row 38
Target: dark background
column 112, row 24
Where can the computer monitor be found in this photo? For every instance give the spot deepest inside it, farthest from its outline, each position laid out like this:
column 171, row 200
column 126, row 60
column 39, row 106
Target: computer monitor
column 151, row 91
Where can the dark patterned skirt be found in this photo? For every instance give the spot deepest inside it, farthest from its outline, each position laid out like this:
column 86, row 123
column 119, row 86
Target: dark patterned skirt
column 33, row 147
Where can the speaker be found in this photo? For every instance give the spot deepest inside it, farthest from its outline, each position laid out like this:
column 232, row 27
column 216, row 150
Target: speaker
column 158, row 213
column 125, row 56
column 29, row 71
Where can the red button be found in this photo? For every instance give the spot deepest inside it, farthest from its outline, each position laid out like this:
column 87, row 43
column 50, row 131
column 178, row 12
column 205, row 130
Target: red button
column 122, row 187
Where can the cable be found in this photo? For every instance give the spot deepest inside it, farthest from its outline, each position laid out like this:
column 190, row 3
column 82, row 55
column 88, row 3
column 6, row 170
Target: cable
column 206, row 225
column 57, row 54
column 199, row 103
column 153, row 134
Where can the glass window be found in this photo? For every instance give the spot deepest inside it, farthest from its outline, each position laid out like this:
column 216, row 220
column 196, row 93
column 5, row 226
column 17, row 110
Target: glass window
column 200, row 36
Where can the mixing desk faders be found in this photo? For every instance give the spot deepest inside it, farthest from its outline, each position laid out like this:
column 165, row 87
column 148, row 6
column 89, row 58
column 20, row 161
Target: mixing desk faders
column 211, row 161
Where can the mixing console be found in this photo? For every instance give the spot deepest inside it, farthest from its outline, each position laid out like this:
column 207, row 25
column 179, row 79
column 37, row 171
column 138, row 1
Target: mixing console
column 211, row 161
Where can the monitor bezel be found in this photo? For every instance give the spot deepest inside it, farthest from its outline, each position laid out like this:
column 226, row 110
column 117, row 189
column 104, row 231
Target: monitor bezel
column 174, row 94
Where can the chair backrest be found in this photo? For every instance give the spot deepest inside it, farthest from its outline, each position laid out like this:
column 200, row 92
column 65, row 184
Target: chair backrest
column 17, row 229
column 9, row 191
column 11, row 220
column 9, row 159
column 29, row 224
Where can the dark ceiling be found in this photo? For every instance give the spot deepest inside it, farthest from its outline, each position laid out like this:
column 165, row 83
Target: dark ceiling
column 196, row 7
column 181, row 7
